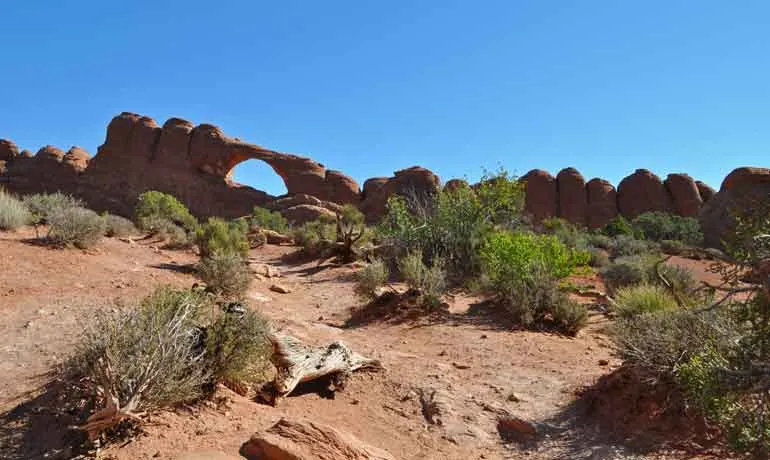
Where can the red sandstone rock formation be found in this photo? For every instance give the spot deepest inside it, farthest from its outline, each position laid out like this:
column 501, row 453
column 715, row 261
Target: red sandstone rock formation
column 685, row 196
column 8, row 150
column 415, row 183
column 573, row 201
column 740, row 188
column 706, row 191
column 541, row 195
column 602, row 203
column 641, row 192
column 455, row 184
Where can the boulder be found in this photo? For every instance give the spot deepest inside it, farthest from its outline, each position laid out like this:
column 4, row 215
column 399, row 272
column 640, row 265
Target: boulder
column 26, row 154
column 341, row 189
column 8, row 150
column 415, row 182
column 641, row 192
column 50, row 153
column 542, row 198
column 573, row 201
column 294, row 200
column 373, row 199
column 302, row 213
column 77, row 159
column 296, row 439
column 602, row 204
column 684, row 195
column 706, row 191
column 742, row 187
column 455, row 184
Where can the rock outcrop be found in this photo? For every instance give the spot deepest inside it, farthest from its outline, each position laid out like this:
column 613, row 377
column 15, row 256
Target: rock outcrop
column 641, row 192
column 706, row 191
column 602, row 203
column 303, row 440
column 741, row 188
column 414, row 183
column 455, row 184
column 685, row 196
column 193, row 163
column 573, row 200
column 542, row 196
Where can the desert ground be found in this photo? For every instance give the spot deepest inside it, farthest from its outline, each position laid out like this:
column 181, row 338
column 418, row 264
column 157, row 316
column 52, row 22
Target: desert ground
column 467, row 362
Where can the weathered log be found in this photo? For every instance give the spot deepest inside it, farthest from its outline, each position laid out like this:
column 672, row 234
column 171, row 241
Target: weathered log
column 296, row 363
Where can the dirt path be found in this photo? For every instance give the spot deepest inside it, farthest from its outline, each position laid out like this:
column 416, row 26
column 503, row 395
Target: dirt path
column 471, row 364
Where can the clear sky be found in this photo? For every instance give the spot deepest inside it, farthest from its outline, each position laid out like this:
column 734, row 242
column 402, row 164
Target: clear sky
column 369, row 87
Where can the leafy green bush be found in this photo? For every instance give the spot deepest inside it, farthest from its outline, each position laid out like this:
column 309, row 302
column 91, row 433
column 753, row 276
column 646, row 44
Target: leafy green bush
column 371, row 277
column 146, row 357
column 643, row 298
column 221, row 236
column 78, row 227
column 312, row 236
column 155, row 210
column 44, row 205
column 658, row 226
column 117, row 226
column 501, row 196
column 225, row 273
column 270, row 220
column 13, row 213
column 238, row 349
column 567, row 233
column 618, row 226
column 429, row 281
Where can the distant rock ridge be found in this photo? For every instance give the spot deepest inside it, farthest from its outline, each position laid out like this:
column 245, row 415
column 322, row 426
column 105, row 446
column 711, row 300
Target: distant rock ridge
column 195, row 163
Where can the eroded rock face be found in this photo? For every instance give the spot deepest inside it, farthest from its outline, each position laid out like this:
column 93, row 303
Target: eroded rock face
column 542, row 198
column 741, row 188
column 573, row 201
column 8, row 150
column 641, row 192
column 602, row 203
column 685, row 196
column 50, row 170
column 415, row 182
column 296, row 439
column 706, row 191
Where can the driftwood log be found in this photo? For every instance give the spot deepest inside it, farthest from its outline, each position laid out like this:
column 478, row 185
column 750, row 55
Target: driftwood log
column 297, row 363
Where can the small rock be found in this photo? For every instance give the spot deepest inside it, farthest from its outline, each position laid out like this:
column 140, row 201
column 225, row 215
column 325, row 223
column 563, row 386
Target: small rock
column 442, row 353
column 320, row 318
column 279, row 288
column 461, row 365
column 28, row 324
column 513, row 398
column 483, row 336
column 512, row 428
column 603, row 362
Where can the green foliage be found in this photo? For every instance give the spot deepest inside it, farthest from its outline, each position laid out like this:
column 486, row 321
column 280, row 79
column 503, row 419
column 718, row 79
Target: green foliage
column 599, row 258
column 238, row 349
column 78, row 227
column 673, row 247
column 270, row 220
column 44, row 205
column 221, row 236
column 314, row 236
column 155, row 210
column 569, row 234
column 117, row 226
column 225, row 273
column 643, row 298
column 618, row 226
column 13, row 213
column 371, row 277
column 568, row 316
column 626, row 245
column 501, row 196
column 658, row 226
column 430, row 281
column 147, row 354
column 601, row 241
column 626, row 271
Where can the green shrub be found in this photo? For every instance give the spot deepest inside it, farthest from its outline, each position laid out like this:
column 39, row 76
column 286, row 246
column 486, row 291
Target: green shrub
column 371, row 277
column 221, row 236
column 681, row 279
column 643, row 298
column 176, row 236
column 658, row 226
column 599, row 258
column 601, row 241
column 13, row 213
column 44, row 205
column 570, row 235
column 78, row 227
column 313, row 236
column 625, row 271
column 225, row 273
column 154, row 211
column 238, row 349
column 117, row 226
column 626, row 245
column 430, row 281
column 146, row 357
column 618, row 226
column 673, row 247
column 270, row 220
column 501, row 197
column 507, row 256
column 568, row 316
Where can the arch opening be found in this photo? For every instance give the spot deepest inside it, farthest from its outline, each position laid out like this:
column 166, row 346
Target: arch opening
column 259, row 175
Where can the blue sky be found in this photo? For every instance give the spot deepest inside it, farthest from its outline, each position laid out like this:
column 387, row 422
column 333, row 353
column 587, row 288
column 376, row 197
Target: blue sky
column 369, row 87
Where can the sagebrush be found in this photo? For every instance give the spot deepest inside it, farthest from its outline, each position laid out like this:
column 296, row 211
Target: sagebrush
column 13, row 213
column 76, row 227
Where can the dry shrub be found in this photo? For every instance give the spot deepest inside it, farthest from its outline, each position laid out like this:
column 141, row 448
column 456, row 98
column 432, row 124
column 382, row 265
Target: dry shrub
column 44, row 205
column 643, row 298
column 429, row 281
column 225, row 273
column 13, row 213
column 78, row 227
column 371, row 277
column 117, row 226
